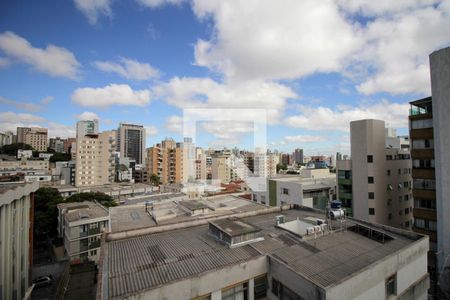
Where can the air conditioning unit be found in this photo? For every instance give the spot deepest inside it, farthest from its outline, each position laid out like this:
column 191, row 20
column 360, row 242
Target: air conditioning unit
column 310, row 230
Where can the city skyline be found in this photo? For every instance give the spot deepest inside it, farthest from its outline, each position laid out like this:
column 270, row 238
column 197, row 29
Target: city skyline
column 313, row 77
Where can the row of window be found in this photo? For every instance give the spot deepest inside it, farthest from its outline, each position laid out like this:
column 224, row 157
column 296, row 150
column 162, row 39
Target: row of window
column 425, row 224
column 423, row 144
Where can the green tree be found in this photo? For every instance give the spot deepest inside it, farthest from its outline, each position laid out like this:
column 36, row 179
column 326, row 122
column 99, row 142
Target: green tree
column 45, row 212
column 281, row 167
column 154, row 179
column 101, row 198
column 60, row 157
column 12, row 148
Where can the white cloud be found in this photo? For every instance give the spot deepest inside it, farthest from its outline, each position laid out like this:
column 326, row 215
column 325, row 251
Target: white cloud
column 87, row 116
column 207, row 93
column 53, row 60
column 47, row 100
column 128, row 68
column 397, row 48
column 92, row 9
column 303, row 138
column 113, row 94
column 268, row 40
column 227, row 133
column 159, row 3
column 60, row 130
column 20, row 105
column 20, row 117
column 324, row 118
column 151, row 130
column 175, row 124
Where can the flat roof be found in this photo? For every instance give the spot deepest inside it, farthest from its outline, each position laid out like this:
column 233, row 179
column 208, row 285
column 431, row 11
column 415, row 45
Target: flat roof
column 149, row 261
column 422, row 101
column 83, row 210
column 234, row 226
column 193, row 204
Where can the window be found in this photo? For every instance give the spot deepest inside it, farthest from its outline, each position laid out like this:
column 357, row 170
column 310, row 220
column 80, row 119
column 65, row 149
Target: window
column 371, row 211
column 371, row 195
column 370, row 179
column 370, row 158
column 391, row 286
column 260, row 287
column 406, row 197
column 238, row 291
column 399, row 171
column 284, row 191
column 389, row 216
column 418, row 124
column 388, row 172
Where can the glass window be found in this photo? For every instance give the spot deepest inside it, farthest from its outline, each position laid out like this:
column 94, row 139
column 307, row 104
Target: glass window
column 260, row 287
column 370, row 179
column 391, row 285
column 370, row 158
column 371, row 211
column 418, row 124
column 236, row 292
column 371, row 195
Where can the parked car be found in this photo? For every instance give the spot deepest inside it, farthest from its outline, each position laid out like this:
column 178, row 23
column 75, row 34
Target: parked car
column 42, row 281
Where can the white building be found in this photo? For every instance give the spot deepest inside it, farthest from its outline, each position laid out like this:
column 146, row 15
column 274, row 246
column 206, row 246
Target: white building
column 86, row 127
column 81, row 225
column 16, row 238
column 24, row 153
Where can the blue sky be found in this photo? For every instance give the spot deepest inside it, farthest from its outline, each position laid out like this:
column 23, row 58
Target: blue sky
column 314, row 66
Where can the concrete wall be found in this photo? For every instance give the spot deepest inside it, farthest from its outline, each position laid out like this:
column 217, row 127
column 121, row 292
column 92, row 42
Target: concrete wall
column 211, row 282
column 440, row 88
column 410, row 264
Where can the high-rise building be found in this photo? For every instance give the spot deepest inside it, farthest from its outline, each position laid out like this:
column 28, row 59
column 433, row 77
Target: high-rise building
column 298, row 155
column 381, row 176
column 430, row 138
column 16, row 238
column 166, row 161
column 344, row 184
column 95, row 163
column 440, row 91
column 286, row 159
column 36, row 137
column 189, row 160
column 200, row 164
column 131, row 142
column 68, row 144
column 87, row 127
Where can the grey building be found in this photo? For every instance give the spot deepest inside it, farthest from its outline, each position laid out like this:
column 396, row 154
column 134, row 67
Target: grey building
column 298, row 155
column 131, row 142
column 440, row 90
column 279, row 253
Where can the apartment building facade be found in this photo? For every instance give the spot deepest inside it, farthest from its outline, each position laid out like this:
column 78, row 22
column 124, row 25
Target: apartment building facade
column 16, row 238
column 165, row 160
column 81, row 225
column 36, row 137
column 131, row 142
column 95, row 164
column 381, row 176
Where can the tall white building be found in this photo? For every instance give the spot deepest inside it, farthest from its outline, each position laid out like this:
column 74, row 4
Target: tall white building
column 6, row 138
column 16, row 238
column 189, row 160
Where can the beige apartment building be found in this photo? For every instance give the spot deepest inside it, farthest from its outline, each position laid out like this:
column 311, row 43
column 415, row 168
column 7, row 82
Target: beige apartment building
column 381, row 175
column 166, row 160
column 95, row 159
column 36, row 137
column 221, row 167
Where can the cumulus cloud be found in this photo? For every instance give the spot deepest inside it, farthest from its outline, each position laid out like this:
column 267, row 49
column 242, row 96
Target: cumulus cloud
column 207, row 93
column 266, row 40
column 47, row 100
column 151, row 130
column 53, row 60
column 60, row 130
column 20, row 117
column 92, row 9
column 128, row 68
column 112, row 94
column 174, row 124
column 303, row 138
column 87, row 116
column 324, row 118
column 20, row 105
column 159, row 3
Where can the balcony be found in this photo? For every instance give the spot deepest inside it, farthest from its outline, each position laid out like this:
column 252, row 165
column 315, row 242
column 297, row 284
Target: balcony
column 422, row 133
column 422, row 153
column 424, row 194
column 421, row 107
column 93, row 231
column 424, row 213
column 95, row 244
column 344, row 195
column 423, row 173
column 431, row 234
